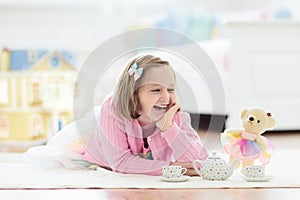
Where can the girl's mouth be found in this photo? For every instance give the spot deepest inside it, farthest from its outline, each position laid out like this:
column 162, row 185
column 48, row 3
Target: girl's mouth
column 160, row 107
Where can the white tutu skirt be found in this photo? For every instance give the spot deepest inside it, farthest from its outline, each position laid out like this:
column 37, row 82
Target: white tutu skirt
column 67, row 146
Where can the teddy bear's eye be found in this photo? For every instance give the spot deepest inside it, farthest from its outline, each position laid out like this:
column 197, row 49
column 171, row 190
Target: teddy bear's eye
column 258, row 121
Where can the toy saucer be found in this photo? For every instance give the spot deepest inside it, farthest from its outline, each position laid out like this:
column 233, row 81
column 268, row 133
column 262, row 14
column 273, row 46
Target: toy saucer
column 181, row 179
column 264, row 179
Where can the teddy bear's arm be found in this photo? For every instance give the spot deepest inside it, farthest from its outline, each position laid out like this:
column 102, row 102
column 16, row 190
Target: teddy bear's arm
column 233, row 132
column 230, row 135
column 260, row 141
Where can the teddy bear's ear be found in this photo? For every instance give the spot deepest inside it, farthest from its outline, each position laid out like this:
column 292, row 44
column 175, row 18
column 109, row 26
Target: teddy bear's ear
column 243, row 113
column 271, row 122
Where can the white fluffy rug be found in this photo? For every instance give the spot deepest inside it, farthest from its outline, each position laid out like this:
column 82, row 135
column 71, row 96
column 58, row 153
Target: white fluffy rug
column 16, row 173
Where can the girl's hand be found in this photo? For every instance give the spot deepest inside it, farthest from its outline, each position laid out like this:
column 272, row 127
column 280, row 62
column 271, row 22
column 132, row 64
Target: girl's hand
column 189, row 166
column 166, row 121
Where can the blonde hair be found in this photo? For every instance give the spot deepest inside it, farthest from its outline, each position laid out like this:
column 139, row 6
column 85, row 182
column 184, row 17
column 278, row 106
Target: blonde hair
column 126, row 93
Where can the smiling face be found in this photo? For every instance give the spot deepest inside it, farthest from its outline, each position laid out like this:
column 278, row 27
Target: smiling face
column 156, row 94
column 155, row 100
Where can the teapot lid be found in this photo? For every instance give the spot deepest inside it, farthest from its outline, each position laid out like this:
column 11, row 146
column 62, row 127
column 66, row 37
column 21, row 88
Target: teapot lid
column 214, row 155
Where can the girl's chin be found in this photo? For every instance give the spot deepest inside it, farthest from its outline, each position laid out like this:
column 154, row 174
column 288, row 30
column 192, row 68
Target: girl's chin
column 156, row 114
column 153, row 115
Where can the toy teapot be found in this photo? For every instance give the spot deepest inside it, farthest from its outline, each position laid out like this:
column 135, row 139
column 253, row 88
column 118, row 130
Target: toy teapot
column 214, row 168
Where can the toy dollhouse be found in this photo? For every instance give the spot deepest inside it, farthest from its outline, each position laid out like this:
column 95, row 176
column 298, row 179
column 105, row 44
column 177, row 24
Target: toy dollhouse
column 36, row 94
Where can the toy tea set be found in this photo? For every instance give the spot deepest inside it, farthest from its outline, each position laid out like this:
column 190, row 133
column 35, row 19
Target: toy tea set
column 242, row 145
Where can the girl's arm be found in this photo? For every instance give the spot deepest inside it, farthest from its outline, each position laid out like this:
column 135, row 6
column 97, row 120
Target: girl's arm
column 183, row 140
column 110, row 143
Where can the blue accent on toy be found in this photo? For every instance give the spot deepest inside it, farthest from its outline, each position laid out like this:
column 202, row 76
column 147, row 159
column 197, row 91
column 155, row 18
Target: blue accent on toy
column 68, row 57
column 19, row 59
column 59, row 125
column 54, row 61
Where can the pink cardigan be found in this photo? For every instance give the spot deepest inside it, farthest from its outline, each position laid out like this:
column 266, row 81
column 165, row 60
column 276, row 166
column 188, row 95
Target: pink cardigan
column 117, row 142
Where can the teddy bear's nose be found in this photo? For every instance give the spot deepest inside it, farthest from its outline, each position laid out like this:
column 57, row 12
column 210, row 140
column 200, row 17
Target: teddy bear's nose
column 251, row 119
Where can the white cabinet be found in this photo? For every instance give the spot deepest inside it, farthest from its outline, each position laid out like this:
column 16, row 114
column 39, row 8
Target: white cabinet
column 265, row 71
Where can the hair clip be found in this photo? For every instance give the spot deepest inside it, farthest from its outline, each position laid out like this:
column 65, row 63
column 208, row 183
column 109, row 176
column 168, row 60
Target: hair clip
column 134, row 70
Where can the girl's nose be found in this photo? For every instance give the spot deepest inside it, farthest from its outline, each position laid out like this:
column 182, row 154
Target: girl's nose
column 165, row 96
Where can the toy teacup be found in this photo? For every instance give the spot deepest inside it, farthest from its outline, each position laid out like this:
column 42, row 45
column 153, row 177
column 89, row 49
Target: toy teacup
column 173, row 172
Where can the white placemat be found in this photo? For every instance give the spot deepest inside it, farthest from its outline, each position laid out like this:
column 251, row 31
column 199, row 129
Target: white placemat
column 16, row 173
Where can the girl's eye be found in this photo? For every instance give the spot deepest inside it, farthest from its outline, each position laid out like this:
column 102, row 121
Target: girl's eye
column 171, row 90
column 155, row 90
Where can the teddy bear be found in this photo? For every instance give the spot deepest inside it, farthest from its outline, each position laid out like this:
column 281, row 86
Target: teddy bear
column 248, row 144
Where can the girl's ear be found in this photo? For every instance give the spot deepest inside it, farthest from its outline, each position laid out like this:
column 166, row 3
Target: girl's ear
column 243, row 113
column 271, row 122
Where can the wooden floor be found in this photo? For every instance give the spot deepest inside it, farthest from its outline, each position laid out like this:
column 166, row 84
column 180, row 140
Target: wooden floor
column 279, row 139
column 155, row 194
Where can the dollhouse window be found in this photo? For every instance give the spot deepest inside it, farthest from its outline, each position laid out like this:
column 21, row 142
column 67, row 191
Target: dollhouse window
column 32, row 56
column 4, row 92
column 54, row 62
column 36, row 126
column 35, row 93
column 61, row 123
column 55, row 88
column 4, row 127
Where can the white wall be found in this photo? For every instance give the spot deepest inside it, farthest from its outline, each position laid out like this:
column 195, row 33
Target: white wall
column 81, row 25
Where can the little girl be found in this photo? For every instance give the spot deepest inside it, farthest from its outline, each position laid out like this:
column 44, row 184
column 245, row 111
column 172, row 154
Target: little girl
column 140, row 128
